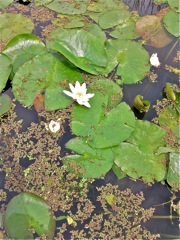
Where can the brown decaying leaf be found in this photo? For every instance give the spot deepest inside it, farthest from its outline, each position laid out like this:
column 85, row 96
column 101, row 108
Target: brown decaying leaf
column 39, row 102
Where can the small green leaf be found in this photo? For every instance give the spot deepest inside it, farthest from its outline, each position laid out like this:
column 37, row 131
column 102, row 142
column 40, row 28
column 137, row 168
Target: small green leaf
column 66, row 7
column 5, row 103
column 5, row 70
column 12, row 24
column 26, row 211
column 171, row 22
column 140, row 104
column 113, row 18
column 169, row 92
column 173, row 176
column 96, row 162
column 4, row 4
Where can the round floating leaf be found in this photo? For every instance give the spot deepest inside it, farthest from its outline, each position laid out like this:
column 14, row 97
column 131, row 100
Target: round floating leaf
column 41, row 2
column 137, row 156
column 95, row 30
column 45, row 73
column 127, row 30
column 107, row 95
column 4, row 4
column 82, row 49
column 103, row 5
column 5, row 103
column 13, row 24
column 151, row 29
column 173, row 176
column 26, row 211
column 131, row 58
column 5, row 70
column 66, row 7
column 174, row 4
column 23, row 48
column 113, row 18
column 96, row 162
column 115, row 127
column 171, row 22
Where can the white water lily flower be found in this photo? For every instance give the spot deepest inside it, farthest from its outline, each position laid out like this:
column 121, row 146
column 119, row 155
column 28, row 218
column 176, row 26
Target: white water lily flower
column 78, row 93
column 154, row 60
column 53, row 126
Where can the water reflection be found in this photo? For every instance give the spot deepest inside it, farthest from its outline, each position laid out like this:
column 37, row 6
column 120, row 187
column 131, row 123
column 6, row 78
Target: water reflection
column 144, row 7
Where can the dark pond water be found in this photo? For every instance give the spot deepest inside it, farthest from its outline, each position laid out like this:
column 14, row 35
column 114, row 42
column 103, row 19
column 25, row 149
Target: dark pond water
column 157, row 194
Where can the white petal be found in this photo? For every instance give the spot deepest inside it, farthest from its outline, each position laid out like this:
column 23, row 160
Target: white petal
column 86, row 104
column 89, row 95
column 77, row 85
column 70, row 94
column 71, row 87
column 154, row 60
column 54, row 126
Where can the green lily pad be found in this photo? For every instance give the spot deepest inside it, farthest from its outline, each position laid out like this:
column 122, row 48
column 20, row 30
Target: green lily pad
column 12, row 24
column 5, row 70
column 45, row 73
column 174, row 4
column 96, row 162
column 23, row 48
column 4, row 4
column 150, row 28
column 127, row 30
column 173, row 176
column 169, row 119
column 113, row 18
column 131, row 58
column 171, row 22
column 103, row 5
column 137, row 157
column 95, row 30
column 82, row 49
column 114, row 128
column 26, row 211
column 69, row 21
column 41, row 2
column 68, row 7
column 107, row 95
column 5, row 103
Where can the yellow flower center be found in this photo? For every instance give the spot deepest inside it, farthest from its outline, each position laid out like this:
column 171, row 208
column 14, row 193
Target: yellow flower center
column 79, row 94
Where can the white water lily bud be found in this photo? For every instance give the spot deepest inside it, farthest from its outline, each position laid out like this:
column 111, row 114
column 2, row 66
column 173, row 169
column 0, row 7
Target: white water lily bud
column 154, row 60
column 54, row 126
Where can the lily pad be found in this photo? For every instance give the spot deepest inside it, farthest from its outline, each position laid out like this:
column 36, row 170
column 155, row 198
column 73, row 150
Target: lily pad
column 4, row 4
column 12, row 24
column 107, row 95
column 113, row 18
column 26, row 211
column 5, row 103
column 68, row 7
column 174, row 4
column 81, row 48
column 127, row 30
column 171, row 22
column 45, row 73
column 5, row 70
column 114, row 128
column 137, row 158
column 96, row 162
column 131, row 58
column 173, row 176
column 103, row 5
column 23, row 48
column 151, row 29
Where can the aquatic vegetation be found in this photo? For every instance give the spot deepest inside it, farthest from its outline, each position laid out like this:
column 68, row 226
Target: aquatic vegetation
column 95, row 48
